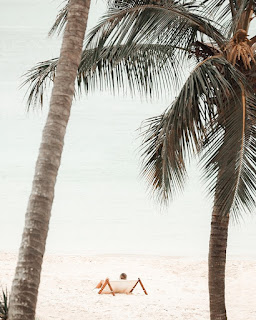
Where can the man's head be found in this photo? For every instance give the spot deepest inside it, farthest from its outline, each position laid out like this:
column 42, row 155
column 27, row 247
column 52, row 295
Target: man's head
column 123, row 276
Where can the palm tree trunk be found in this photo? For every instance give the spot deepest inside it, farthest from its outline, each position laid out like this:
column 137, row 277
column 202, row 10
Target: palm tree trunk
column 27, row 275
column 217, row 264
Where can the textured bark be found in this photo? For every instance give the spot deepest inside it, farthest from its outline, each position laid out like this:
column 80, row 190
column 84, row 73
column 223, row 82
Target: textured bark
column 27, row 275
column 217, row 265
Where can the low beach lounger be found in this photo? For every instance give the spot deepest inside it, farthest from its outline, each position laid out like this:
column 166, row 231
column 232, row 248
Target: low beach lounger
column 120, row 286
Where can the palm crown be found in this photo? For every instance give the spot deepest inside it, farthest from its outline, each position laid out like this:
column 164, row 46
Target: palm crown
column 143, row 45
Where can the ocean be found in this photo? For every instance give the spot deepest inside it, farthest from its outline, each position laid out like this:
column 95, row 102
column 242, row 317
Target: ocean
column 101, row 205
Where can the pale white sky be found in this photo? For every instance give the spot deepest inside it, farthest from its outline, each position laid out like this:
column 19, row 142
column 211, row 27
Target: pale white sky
column 101, row 204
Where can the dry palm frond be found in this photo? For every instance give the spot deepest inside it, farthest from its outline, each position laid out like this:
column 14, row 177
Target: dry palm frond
column 239, row 50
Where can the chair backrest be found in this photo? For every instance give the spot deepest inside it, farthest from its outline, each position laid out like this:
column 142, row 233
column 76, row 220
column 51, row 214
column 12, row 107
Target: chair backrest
column 120, row 286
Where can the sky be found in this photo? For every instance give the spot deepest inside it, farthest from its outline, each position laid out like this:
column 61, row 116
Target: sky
column 101, row 203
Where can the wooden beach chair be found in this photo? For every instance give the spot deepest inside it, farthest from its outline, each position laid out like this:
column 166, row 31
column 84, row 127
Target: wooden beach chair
column 120, row 286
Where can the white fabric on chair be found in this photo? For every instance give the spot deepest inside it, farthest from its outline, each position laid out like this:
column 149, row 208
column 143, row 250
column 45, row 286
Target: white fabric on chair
column 120, row 286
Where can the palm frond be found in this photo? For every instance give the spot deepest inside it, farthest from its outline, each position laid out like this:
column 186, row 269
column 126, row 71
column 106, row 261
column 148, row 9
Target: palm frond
column 179, row 133
column 219, row 8
column 222, row 11
column 142, row 22
column 232, row 14
column 4, row 304
column 60, row 21
column 231, row 157
column 38, row 79
column 114, row 65
column 151, row 70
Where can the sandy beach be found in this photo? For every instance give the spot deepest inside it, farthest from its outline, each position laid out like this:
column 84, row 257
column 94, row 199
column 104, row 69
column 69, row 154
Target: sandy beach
column 177, row 287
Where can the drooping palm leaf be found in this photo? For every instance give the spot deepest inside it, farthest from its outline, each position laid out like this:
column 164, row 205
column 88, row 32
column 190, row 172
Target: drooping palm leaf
column 38, row 79
column 232, row 156
column 151, row 70
column 179, row 133
column 61, row 20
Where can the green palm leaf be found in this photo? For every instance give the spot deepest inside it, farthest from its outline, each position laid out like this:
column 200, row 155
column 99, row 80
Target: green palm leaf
column 230, row 12
column 61, row 20
column 232, row 156
column 4, row 304
column 38, row 79
column 222, row 11
column 133, row 63
column 151, row 70
column 183, row 130
column 134, row 23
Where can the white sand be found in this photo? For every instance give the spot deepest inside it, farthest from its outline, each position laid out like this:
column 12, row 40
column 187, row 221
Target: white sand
column 177, row 287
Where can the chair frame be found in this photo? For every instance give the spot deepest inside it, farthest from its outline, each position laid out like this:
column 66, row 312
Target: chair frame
column 107, row 283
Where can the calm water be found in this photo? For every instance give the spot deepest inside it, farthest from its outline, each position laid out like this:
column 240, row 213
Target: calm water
column 101, row 205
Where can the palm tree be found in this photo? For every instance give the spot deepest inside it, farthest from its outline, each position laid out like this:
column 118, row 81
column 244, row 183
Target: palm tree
column 144, row 45
column 27, row 276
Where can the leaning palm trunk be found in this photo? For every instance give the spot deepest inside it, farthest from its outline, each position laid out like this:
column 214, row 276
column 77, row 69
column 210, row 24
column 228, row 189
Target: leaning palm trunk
column 27, row 276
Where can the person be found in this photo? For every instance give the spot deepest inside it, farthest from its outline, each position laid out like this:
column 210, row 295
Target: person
column 123, row 276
